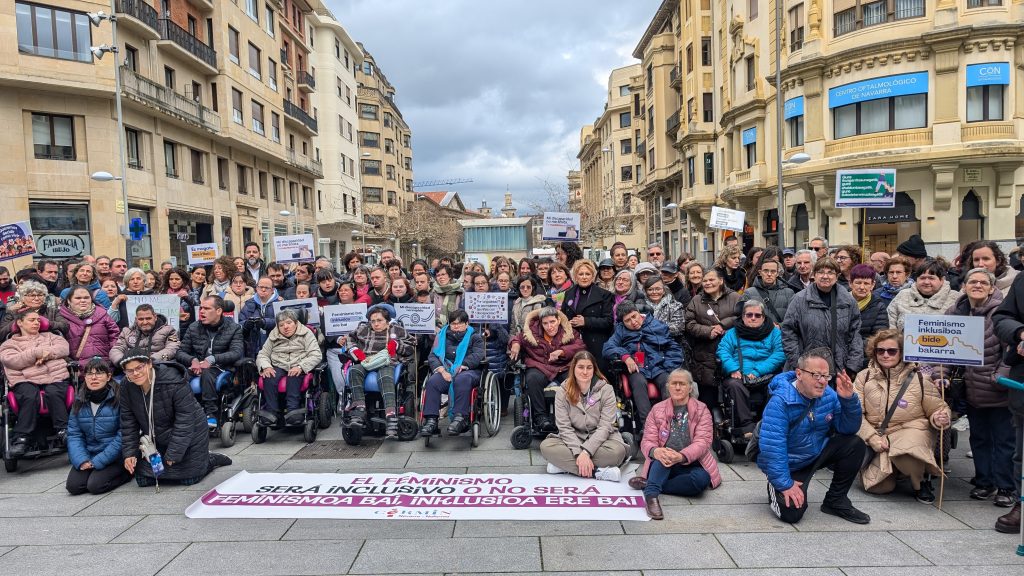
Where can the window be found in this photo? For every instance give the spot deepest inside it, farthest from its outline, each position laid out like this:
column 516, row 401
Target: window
column 278, row 185
column 650, row 120
column 985, row 103
column 213, row 96
column 708, row 107
column 275, row 127
column 392, row 198
column 196, row 158
column 369, row 139
column 625, row 146
column 750, row 151
column 131, row 58
column 709, row 167
column 795, row 129
column 845, row 21
column 650, row 77
column 796, row 27
column 624, row 120
column 344, row 164
column 236, row 106
column 980, row 3
column 691, row 171
column 53, row 33
column 170, row 159
column 348, row 96
column 169, row 77
column 874, row 13
column 255, row 61
column 222, row 173
column 388, row 120
column 243, row 179
column 626, row 174
column 252, row 8
column 262, row 178
column 367, row 67
column 193, row 25
column 373, row 194
column 268, row 21
column 195, row 91
column 305, row 197
column 408, row 163
column 752, row 9
column 909, row 9
column 292, row 193
column 705, row 51
column 272, row 74
column 624, row 90
column 53, row 137
column 371, row 167
column 751, row 73
column 898, row 113
column 233, row 45
column 257, row 118
column 389, row 146
column 390, row 171
column 689, row 57
column 368, row 111
column 132, row 143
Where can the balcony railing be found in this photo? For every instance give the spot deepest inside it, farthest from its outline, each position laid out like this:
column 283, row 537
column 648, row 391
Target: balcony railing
column 168, row 101
column 304, row 78
column 140, row 11
column 672, row 124
column 309, row 165
column 675, row 77
column 300, row 115
column 194, row 46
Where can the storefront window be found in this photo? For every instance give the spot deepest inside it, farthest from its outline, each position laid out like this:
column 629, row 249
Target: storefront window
column 61, row 230
column 140, row 251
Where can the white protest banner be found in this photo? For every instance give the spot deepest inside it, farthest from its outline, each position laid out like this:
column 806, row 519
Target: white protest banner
column 561, row 226
column 343, row 318
column 417, row 318
column 169, row 305
column 487, row 307
column 958, row 340
column 412, row 496
column 726, row 219
column 201, row 254
column 16, row 240
column 308, row 304
column 298, row 248
column 866, row 188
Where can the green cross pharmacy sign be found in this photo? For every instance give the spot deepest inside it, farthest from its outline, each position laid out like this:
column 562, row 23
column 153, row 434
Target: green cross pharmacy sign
column 866, row 188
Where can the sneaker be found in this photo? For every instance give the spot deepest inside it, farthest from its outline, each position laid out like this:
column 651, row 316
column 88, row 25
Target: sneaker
column 970, row 454
column 846, row 512
column 1005, row 498
column 983, row 492
column 961, row 424
column 391, row 431
column 552, row 469
column 608, row 474
column 211, row 422
column 924, row 494
column 217, row 460
column 357, row 417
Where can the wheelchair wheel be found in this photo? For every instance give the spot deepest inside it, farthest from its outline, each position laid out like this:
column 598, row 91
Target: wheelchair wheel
column 407, row 429
column 475, row 441
column 248, row 409
column 259, row 433
column 352, row 436
column 227, row 434
column 325, row 410
column 521, row 437
column 724, row 451
column 517, row 411
column 492, row 405
column 309, row 431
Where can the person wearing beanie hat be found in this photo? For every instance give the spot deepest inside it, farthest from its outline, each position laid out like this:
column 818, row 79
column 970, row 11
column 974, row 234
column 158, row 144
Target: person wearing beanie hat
column 913, row 248
column 606, row 274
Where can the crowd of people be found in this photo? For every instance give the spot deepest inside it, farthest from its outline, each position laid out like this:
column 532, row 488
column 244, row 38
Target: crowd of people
column 817, row 330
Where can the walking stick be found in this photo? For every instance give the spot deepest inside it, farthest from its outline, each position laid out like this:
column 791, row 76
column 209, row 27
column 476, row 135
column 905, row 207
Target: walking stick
column 942, row 451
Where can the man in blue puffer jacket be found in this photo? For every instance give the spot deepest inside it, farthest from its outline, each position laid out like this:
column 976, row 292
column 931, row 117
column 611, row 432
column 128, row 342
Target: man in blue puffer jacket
column 807, row 426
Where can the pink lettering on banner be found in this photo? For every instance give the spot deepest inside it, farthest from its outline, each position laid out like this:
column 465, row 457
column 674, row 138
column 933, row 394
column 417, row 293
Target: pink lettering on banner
column 214, row 498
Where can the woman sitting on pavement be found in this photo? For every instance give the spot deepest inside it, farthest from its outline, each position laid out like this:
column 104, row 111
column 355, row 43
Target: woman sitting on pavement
column 291, row 351
column 94, row 434
column 455, row 361
column 548, row 343
column 588, row 442
column 750, row 354
column 164, row 434
column 904, row 446
column 677, row 446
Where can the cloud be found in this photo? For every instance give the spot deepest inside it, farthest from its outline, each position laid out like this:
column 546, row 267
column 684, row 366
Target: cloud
column 497, row 90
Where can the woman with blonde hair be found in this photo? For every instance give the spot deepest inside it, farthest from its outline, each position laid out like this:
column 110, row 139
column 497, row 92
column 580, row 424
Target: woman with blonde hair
column 728, row 266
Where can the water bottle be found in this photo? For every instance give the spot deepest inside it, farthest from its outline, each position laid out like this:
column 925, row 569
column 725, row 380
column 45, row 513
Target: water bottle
column 156, row 462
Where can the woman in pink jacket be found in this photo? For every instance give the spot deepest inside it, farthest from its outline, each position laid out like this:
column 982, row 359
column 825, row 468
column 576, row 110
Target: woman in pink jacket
column 677, row 445
column 91, row 331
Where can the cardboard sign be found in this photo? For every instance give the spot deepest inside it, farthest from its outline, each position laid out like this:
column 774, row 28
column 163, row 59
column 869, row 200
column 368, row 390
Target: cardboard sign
column 416, row 318
column 561, row 226
column 308, row 304
column 867, row 188
column 169, row 305
column 726, row 219
column 958, row 340
column 342, row 319
column 202, row 254
column 16, row 240
column 297, row 248
column 487, row 307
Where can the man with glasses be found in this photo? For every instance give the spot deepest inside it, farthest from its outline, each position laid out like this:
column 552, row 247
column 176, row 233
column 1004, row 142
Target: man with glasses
column 257, row 316
column 808, row 426
column 819, row 245
column 655, row 254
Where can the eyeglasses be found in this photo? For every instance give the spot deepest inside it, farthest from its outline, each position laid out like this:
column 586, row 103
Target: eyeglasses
column 137, row 370
column 770, row 272
column 978, row 283
column 95, row 374
column 817, row 247
column 753, row 315
column 819, row 376
column 654, row 253
column 826, row 272
column 842, row 258
column 887, row 351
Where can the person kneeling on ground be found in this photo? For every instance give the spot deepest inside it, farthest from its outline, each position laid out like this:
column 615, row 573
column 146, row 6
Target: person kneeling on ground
column 94, row 434
column 456, row 361
column 157, row 405
column 796, row 438
column 677, row 446
column 587, row 443
column 291, row 351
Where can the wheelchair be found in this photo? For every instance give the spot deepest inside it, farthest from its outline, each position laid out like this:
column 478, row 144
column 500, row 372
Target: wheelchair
column 727, row 432
column 485, row 403
column 626, row 416
column 524, row 429
column 316, row 409
column 44, row 440
column 232, row 405
column 405, row 401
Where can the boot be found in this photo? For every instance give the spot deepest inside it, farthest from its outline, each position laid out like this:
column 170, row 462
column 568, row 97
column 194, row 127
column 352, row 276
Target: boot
column 654, row 511
column 391, row 431
column 429, row 426
column 1009, row 523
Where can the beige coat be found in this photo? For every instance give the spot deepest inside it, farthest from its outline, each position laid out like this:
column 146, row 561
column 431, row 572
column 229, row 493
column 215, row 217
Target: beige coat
column 300, row 350
column 587, row 425
column 910, row 431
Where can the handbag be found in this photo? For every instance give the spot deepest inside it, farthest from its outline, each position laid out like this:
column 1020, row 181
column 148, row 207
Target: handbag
column 752, row 382
column 378, row 360
column 869, row 454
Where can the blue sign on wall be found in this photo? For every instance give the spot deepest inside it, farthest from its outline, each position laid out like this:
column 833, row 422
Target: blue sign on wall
column 750, row 135
column 137, row 229
column 793, row 107
column 878, row 88
column 990, row 73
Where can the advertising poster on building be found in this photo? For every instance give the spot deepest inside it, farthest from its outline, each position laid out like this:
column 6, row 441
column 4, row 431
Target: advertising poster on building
column 726, row 219
column 297, row 248
column 561, row 226
column 958, row 340
column 16, row 240
column 202, row 254
column 342, row 319
column 866, row 188
column 417, row 318
column 166, row 305
column 487, row 307
column 309, row 305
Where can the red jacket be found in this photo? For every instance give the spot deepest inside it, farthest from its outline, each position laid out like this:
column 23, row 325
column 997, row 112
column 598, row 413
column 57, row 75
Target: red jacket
column 536, row 349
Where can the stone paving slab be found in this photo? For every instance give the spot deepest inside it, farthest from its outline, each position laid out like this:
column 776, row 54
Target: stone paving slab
column 634, row 552
column 114, row 559
column 749, row 572
column 711, row 519
column 55, row 531
column 130, row 500
column 178, row 528
column 884, row 516
column 265, row 558
column 930, row 571
column 975, row 514
column 466, row 458
column 965, row 547
column 34, row 482
column 591, row 573
column 36, row 505
column 748, row 492
column 819, row 549
column 325, row 529
column 455, row 554
column 505, row 528
column 5, row 549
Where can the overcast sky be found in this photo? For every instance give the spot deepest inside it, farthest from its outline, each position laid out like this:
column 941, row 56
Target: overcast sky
column 497, row 90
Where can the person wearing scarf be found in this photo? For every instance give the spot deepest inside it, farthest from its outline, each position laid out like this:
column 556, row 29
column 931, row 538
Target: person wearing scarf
column 560, row 284
column 134, row 285
column 589, row 309
column 531, row 297
column 749, row 351
column 624, row 288
column 455, row 360
column 222, row 270
column 873, row 316
column 446, row 294
column 897, row 279
column 91, row 331
column 94, row 434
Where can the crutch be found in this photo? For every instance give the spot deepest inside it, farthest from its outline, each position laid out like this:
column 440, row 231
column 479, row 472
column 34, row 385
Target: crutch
column 1016, row 386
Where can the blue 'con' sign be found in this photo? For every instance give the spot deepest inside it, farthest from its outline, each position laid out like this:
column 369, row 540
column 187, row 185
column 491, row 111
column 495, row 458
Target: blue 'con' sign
column 990, row 73
column 750, row 135
column 793, row 107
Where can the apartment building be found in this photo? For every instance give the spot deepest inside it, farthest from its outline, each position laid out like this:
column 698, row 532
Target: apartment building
column 385, row 160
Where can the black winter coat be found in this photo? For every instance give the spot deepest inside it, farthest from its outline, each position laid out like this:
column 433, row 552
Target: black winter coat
column 181, row 435
column 874, row 317
column 679, row 292
column 227, row 344
column 1008, row 321
column 474, row 358
column 596, row 309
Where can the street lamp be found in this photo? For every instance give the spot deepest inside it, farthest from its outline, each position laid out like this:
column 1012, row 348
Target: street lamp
column 363, row 232
column 286, row 214
column 95, row 18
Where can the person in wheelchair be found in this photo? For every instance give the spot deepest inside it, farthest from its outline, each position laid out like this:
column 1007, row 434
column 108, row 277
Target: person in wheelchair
column 209, row 347
column 456, row 360
column 643, row 344
column 377, row 346
column 751, row 354
column 550, row 345
column 257, row 316
column 94, row 434
column 291, row 351
column 34, row 360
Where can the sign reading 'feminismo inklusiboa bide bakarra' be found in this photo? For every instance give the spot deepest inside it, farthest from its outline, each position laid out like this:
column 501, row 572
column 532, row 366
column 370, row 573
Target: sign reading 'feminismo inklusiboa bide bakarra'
column 420, row 497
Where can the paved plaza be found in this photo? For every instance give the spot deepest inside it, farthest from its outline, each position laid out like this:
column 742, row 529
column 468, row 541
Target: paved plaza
column 138, row 532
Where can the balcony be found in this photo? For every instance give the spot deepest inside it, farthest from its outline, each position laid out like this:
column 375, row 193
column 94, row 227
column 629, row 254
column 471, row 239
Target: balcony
column 672, row 124
column 305, row 81
column 148, row 93
column 980, row 131
column 307, row 165
column 139, row 16
column 880, row 142
column 675, row 77
column 299, row 117
column 179, row 39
